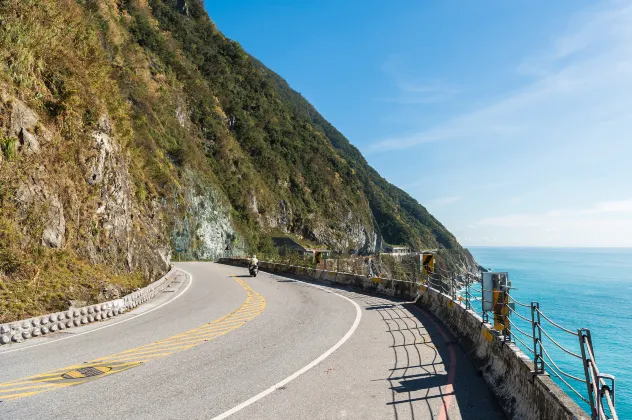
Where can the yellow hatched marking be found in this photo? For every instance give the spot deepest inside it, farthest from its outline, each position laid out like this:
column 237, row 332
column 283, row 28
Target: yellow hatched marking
column 143, row 359
column 245, row 315
column 183, row 341
column 200, row 337
column 201, row 330
column 10, row 385
column 145, row 351
column 13, row 384
column 204, row 334
column 51, row 374
column 198, row 333
column 228, row 322
column 24, row 394
column 116, row 365
column 241, row 320
column 145, row 356
column 244, row 318
column 29, row 387
column 251, row 308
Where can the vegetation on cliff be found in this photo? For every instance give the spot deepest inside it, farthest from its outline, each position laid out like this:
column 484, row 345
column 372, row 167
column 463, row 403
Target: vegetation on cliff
column 129, row 128
column 284, row 138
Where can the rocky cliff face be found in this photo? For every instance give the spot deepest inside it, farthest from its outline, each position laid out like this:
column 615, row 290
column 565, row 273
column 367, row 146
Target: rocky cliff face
column 81, row 203
column 207, row 231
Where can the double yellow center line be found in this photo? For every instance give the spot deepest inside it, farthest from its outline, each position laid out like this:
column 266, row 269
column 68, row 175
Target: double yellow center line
column 98, row 368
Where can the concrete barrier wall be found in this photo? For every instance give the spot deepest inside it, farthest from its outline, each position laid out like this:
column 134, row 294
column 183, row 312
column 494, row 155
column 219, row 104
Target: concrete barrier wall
column 505, row 368
column 402, row 289
column 19, row 331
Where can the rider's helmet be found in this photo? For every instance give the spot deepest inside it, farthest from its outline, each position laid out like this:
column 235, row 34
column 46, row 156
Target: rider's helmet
column 254, row 256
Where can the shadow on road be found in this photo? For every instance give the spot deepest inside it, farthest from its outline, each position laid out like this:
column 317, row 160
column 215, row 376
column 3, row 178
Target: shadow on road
column 429, row 381
column 422, row 360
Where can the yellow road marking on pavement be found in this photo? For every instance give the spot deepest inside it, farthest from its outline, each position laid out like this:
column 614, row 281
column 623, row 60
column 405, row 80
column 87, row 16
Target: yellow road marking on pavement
column 23, row 394
column 140, row 357
column 147, row 351
column 74, row 374
column 98, row 368
column 34, row 387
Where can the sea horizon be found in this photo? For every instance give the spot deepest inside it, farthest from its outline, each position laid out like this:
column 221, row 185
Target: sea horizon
column 547, row 247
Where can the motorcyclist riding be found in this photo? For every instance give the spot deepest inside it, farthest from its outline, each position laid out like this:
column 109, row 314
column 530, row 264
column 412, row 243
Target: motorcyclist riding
column 253, row 266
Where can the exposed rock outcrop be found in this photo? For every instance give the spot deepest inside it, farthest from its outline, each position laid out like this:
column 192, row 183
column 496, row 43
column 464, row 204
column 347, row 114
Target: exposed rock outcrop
column 23, row 124
column 35, row 196
column 206, row 232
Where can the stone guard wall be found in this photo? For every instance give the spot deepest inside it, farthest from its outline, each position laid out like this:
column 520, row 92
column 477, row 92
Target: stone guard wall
column 19, row 331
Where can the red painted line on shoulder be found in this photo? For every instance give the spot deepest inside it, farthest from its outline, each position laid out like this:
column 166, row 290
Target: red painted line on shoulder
column 449, row 388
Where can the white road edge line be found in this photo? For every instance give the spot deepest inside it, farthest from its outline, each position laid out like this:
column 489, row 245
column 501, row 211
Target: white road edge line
column 306, row 368
column 109, row 325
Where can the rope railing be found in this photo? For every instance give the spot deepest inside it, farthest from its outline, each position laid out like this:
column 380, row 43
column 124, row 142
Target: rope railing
column 514, row 326
column 518, row 303
column 542, row 356
column 519, row 315
column 610, row 403
column 523, row 343
column 557, row 325
column 564, row 349
column 566, row 383
column 568, row 375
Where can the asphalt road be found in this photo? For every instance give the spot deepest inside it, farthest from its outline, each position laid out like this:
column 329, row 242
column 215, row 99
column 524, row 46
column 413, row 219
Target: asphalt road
column 220, row 344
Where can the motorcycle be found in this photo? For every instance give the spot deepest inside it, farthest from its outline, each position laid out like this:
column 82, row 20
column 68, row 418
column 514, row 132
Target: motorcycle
column 253, row 269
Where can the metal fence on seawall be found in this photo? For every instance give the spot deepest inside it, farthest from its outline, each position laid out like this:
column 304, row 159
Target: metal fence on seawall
column 566, row 355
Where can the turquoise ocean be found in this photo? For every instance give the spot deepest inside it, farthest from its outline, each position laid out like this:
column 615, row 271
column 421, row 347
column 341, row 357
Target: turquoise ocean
column 576, row 288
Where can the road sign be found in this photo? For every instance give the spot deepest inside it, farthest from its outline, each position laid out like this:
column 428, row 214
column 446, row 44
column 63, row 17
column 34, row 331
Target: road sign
column 501, row 310
column 427, row 264
column 493, row 281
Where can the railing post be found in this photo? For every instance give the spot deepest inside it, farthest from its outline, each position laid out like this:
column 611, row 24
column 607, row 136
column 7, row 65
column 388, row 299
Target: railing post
column 507, row 331
column 584, row 340
column 538, row 362
column 468, row 303
column 504, row 295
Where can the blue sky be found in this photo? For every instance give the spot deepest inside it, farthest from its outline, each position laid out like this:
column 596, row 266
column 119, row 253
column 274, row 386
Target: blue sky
column 510, row 121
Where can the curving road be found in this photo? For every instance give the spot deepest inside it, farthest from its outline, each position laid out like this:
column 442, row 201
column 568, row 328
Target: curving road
column 220, row 345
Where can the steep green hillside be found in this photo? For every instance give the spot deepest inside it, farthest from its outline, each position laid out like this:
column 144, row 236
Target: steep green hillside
column 281, row 131
column 132, row 128
column 400, row 218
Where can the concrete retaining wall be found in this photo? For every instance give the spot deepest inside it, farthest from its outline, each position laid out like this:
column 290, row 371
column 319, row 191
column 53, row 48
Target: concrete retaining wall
column 19, row 331
column 506, row 369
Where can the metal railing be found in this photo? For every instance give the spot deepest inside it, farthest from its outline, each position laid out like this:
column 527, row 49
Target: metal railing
column 600, row 386
column 539, row 336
